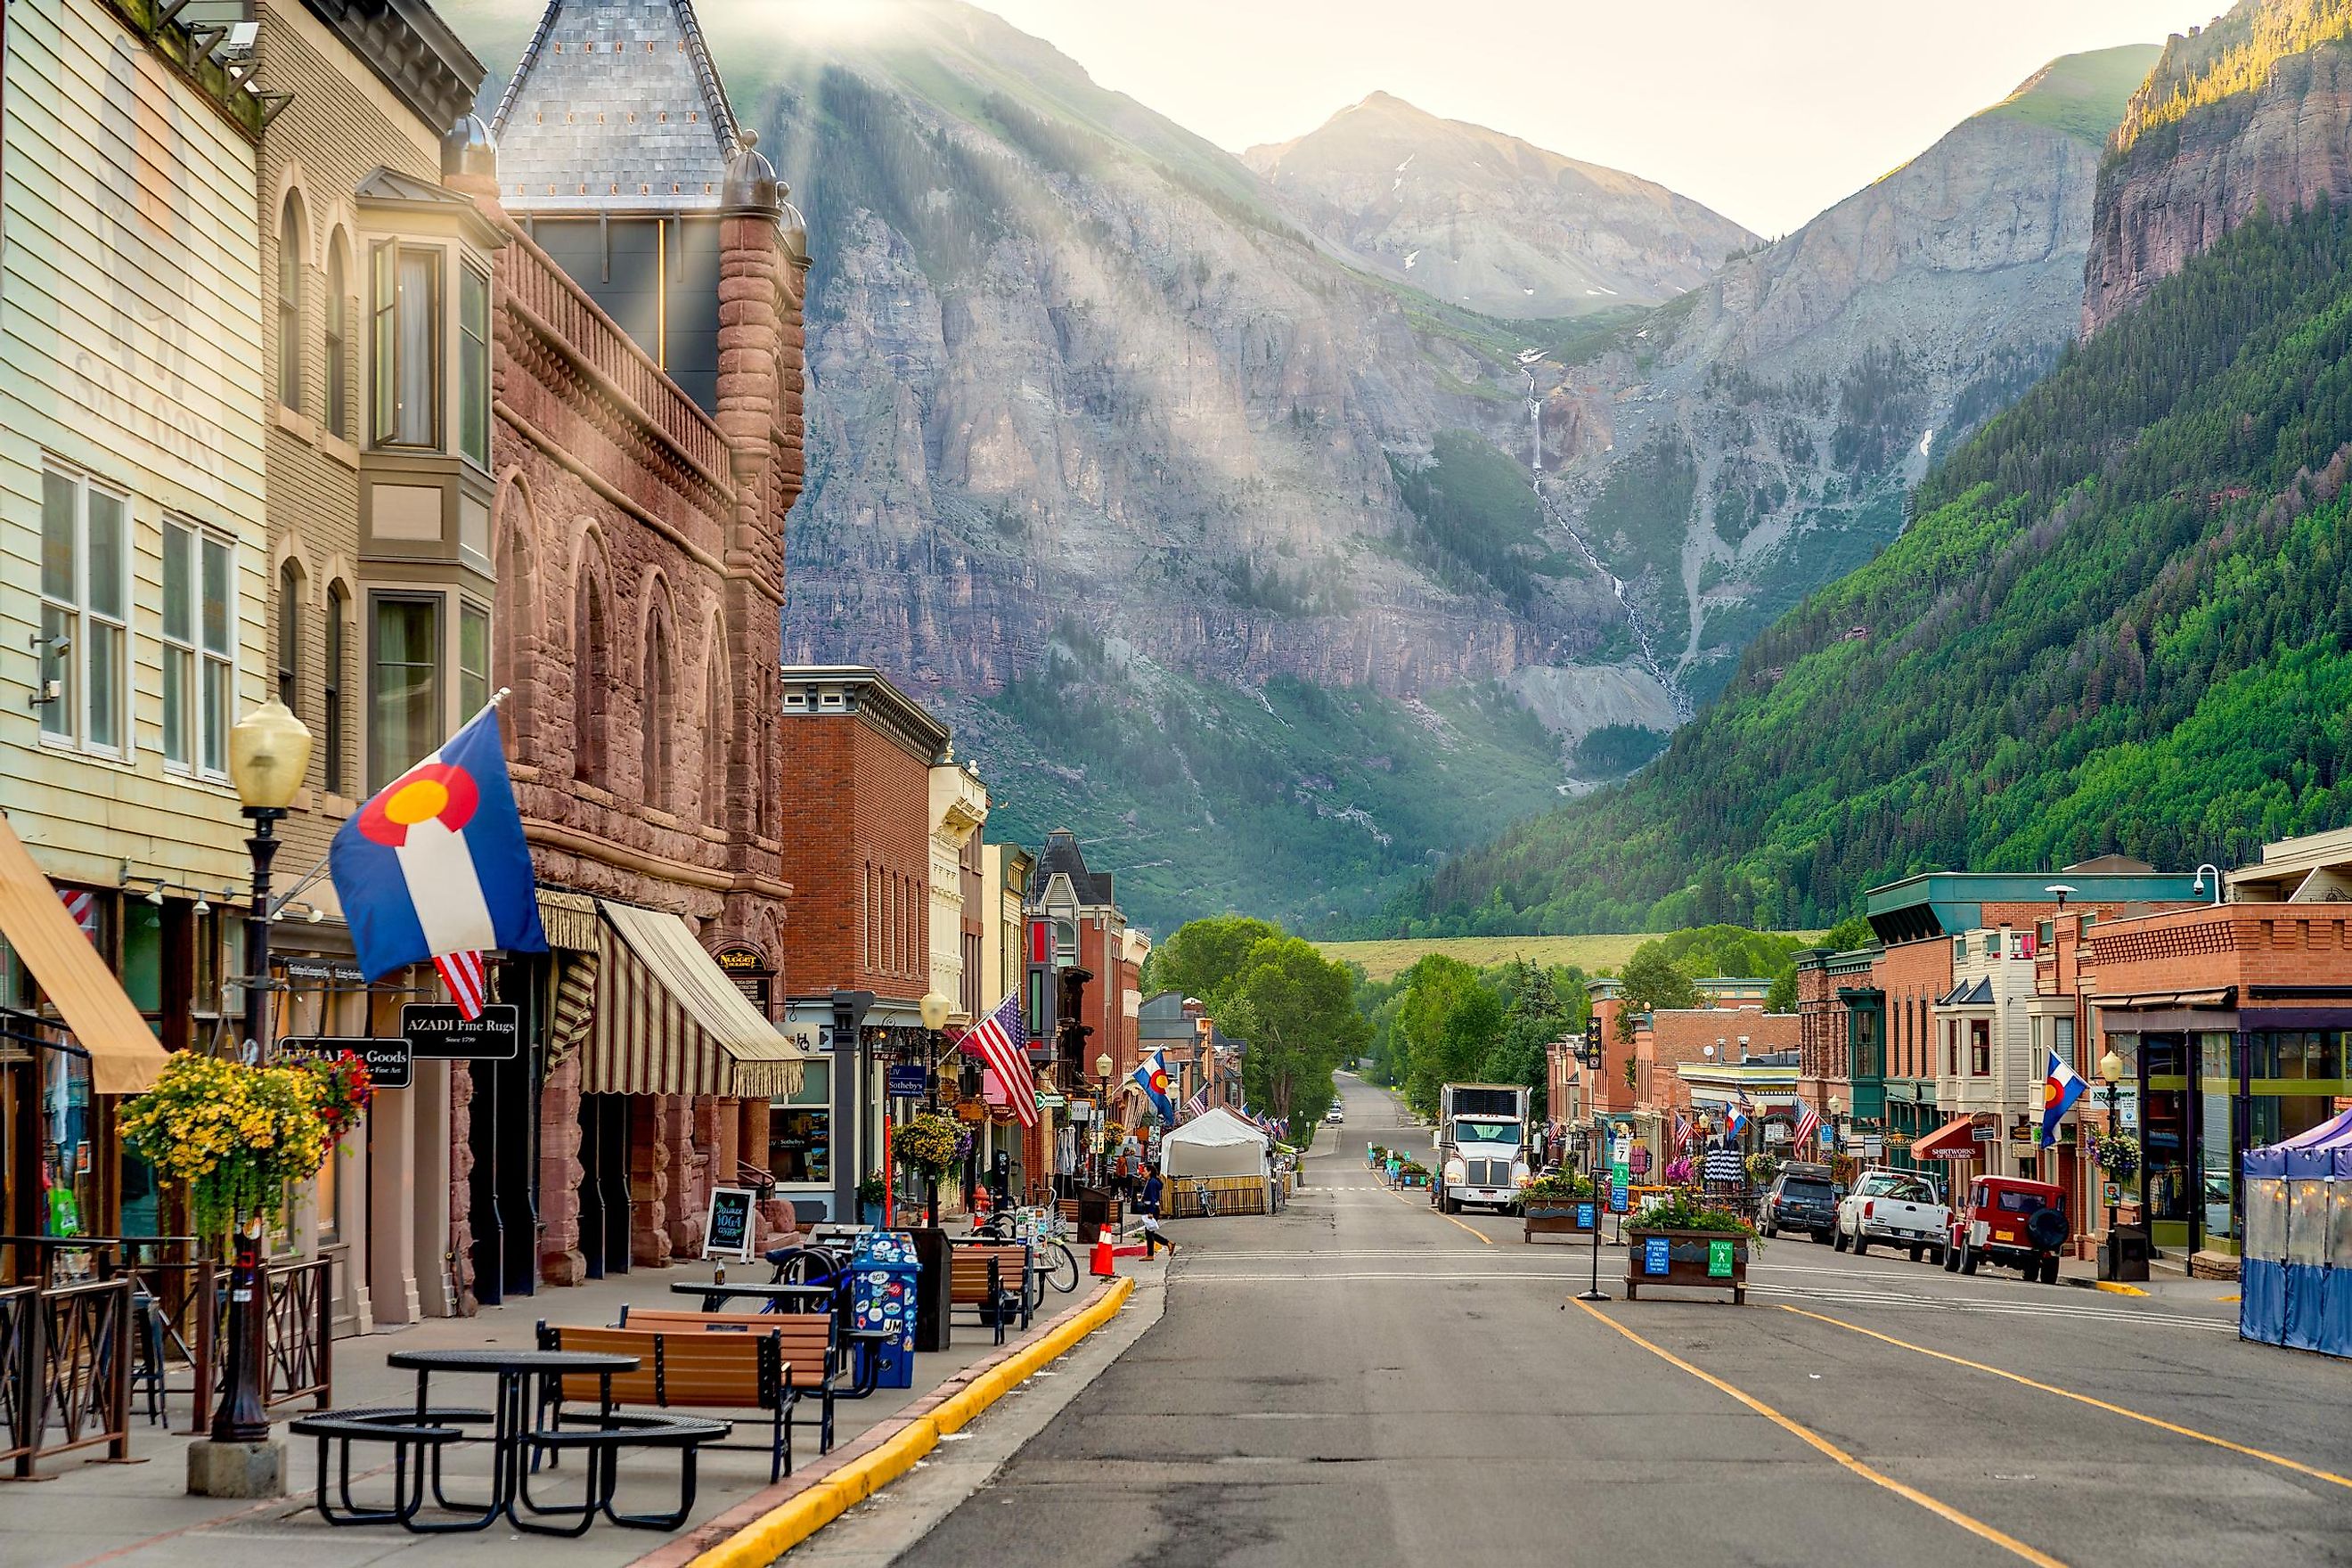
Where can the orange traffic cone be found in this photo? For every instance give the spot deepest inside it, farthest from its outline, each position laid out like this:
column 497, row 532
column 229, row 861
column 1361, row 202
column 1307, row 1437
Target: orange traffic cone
column 1102, row 1265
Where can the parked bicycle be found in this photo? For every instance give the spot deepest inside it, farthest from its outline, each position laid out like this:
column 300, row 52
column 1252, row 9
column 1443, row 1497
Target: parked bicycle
column 1045, row 1230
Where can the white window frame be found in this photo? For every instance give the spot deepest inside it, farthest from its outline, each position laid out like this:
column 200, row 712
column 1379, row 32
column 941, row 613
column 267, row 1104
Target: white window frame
column 79, row 616
column 202, row 665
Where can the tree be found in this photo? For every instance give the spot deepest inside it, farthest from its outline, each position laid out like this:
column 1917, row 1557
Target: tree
column 1204, row 957
column 1654, row 981
column 1296, row 1010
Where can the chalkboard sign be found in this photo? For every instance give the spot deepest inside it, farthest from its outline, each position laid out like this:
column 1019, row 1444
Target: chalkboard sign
column 726, row 1233
column 1655, row 1255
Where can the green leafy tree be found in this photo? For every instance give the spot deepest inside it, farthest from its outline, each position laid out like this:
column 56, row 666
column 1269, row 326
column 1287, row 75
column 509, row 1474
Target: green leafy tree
column 1296, row 1011
column 1654, row 981
column 1204, row 957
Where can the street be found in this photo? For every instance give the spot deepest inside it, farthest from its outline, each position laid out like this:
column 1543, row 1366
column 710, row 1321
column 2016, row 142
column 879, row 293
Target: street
column 1362, row 1381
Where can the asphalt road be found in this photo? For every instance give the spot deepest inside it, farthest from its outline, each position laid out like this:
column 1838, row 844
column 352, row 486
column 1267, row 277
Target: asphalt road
column 1363, row 1381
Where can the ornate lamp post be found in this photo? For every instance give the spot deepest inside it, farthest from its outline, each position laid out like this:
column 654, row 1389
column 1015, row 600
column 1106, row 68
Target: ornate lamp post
column 934, row 1009
column 1103, row 1064
column 2111, row 1078
column 268, row 753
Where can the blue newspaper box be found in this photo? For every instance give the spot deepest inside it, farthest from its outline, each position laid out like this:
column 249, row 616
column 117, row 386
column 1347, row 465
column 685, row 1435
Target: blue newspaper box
column 882, row 1274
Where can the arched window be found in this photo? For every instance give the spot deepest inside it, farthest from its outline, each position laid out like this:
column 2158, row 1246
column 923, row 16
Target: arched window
column 290, row 634
column 338, row 314
column 717, row 722
column 338, row 731
column 659, row 713
column 289, row 303
column 591, row 682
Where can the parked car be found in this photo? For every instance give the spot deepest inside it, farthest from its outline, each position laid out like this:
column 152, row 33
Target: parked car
column 1802, row 1198
column 1901, row 1208
column 1336, row 1116
column 2012, row 1222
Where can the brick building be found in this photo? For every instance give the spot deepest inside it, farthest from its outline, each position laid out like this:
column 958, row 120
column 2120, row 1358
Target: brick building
column 1076, row 923
column 856, row 824
column 646, row 449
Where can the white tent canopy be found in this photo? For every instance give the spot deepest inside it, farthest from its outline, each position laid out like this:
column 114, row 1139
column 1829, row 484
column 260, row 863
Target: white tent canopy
column 1214, row 1143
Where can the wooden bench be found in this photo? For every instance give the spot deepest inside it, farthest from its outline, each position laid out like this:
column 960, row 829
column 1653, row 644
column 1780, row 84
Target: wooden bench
column 697, row 1371
column 810, row 1343
column 992, row 1278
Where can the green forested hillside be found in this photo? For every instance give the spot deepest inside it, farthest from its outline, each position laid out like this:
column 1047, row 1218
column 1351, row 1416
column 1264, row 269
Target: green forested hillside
column 2122, row 621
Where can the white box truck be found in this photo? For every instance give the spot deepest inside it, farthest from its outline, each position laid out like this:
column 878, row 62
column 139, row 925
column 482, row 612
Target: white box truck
column 1482, row 1138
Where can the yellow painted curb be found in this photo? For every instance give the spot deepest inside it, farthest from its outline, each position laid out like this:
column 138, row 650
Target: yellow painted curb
column 2114, row 1288
column 790, row 1523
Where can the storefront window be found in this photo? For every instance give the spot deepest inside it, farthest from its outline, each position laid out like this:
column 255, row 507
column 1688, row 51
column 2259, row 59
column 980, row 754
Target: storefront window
column 800, row 1129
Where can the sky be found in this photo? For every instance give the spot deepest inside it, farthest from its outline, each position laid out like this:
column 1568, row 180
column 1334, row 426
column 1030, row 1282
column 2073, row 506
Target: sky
column 1767, row 110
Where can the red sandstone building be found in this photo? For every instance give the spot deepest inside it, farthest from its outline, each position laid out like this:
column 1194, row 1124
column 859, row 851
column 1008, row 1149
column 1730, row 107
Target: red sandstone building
column 644, row 321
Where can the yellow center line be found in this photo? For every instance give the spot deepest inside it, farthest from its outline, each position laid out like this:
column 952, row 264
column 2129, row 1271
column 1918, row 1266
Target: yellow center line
column 1813, row 1439
column 2279, row 1459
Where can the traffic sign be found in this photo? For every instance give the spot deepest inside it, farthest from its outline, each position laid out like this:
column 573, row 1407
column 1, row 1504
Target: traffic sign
column 387, row 1061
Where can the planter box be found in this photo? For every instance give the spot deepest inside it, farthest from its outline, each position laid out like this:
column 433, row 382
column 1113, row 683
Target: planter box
column 1700, row 1259
column 1559, row 1218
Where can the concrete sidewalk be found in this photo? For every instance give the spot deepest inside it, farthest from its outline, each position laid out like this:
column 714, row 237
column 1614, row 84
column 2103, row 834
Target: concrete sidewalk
column 139, row 1515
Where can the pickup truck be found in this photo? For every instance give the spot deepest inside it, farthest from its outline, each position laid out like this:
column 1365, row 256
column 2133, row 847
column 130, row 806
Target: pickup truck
column 1899, row 1207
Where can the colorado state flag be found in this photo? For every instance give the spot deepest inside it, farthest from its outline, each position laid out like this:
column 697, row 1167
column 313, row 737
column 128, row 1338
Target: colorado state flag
column 434, row 863
column 1152, row 1073
column 2059, row 1089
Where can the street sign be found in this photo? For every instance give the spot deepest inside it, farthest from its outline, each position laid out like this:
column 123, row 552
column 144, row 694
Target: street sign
column 387, row 1061
column 1870, row 1146
column 2111, row 1192
column 1986, row 1135
column 437, row 1032
column 1656, row 1255
column 1586, row 1218
column 907, row 1080
column 1619, row 1197
column 1718, row 1259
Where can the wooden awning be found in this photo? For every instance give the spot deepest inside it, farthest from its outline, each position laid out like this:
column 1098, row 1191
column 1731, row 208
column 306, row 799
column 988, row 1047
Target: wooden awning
column 124, row 1057
column 667, row 1020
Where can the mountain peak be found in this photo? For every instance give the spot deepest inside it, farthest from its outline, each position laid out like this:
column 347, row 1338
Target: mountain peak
column 1480, row 219
column 2082, row 96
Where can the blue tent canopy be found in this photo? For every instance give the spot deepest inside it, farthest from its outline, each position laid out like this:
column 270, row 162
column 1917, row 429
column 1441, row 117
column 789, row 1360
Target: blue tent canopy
column 2296, row 1274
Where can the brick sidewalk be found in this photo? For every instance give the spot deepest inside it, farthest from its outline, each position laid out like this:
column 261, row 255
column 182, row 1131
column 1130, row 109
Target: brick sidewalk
column 139, row 1515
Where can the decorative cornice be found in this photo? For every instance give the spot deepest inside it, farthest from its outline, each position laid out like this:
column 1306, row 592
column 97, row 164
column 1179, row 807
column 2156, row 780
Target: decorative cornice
column 412, row 49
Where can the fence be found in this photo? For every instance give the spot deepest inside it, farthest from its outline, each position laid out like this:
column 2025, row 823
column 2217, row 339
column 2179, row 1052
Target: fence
column 65, row 1367
column 1194, row 1196
column 298, row 1358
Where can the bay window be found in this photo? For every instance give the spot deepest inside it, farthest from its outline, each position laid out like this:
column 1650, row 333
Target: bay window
column 474, row 366
column 407, row 722
column 473, row 659
column 85, row 594
column 407, row 345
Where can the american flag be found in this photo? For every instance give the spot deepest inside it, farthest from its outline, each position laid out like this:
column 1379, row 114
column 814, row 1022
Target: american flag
column 1681, row 1133
column 1198, row 1103
column 1809, row 1125
column 1001, row 1041
column 462, row 973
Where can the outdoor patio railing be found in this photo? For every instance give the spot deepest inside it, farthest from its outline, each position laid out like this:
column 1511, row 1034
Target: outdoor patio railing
column 65, row 1370
column 299, row 1362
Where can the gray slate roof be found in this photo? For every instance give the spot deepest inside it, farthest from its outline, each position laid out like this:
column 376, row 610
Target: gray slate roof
column 615, row 107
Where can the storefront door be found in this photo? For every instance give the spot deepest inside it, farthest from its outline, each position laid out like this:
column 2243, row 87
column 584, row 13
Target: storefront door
column 504, row 1136
column 604, row 1184
column 2170, row 1184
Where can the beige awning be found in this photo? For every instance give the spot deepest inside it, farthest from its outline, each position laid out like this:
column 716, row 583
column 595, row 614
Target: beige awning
column 667, row 1019
column 124, row 1057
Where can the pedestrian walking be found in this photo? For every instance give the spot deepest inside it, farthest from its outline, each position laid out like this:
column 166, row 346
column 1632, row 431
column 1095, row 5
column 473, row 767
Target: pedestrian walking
column 1148, row 1205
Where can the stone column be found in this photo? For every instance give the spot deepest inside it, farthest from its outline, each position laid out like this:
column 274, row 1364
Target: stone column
column 559, row 1259
column 649, row 1165
column 465, row 1303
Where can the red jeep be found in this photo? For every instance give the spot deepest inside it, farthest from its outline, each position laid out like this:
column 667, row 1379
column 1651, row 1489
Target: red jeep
column 2015, row 1223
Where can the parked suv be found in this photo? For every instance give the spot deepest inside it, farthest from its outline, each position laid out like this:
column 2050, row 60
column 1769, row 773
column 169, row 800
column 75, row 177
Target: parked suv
column 2017, row 1224
column 1802, row 1198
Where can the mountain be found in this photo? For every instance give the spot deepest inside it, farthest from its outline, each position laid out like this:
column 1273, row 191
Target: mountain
column 2121, row 623
column 1180, row 518
column 1756, row 437
column 2253, row 112
column 1489, row 222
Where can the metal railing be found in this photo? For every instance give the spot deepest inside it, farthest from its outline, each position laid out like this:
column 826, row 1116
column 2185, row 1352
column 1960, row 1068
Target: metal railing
column 65, row 1370
column 299, row 1321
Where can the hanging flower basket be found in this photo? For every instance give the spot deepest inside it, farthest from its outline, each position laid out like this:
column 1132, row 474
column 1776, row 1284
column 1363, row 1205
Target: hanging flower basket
column 2118, row 1155
column 927, row 1145
column 235, row 1138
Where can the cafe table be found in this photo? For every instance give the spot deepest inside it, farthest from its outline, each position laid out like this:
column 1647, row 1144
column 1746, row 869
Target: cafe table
column 522, row 1376
column 715, row 1293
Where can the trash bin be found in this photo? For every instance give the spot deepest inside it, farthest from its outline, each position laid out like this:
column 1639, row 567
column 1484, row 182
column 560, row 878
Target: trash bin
column 934, row 1292
column 882, row 1274
column 1095, row 1210
column 2124, row 1256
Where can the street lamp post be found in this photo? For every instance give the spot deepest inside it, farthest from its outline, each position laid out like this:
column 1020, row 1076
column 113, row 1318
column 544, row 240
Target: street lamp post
column 1103, row 1064
column 1589, row 1057
column 934, row 1009
column 268, row 751
column 2111, row 1074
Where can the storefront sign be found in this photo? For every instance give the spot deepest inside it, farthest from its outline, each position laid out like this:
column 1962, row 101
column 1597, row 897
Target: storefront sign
column 907, row 1080
column 1656, row 1255
column 727, row 1229
column 1718, row 1259
column 1870, row 1146
column 750, row 971
column 387, row 1061
column 1984, row 1135
column 318, row 971
column 436, row 1032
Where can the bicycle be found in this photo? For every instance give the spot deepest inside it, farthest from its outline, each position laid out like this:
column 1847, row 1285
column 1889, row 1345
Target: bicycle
column 1055, row 1264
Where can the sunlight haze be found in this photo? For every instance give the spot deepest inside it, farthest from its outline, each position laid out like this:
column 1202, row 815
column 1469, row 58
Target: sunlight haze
column 1767, row 113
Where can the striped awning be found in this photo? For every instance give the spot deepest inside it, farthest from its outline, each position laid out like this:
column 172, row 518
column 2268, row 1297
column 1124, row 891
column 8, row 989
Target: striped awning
column 667, row 1020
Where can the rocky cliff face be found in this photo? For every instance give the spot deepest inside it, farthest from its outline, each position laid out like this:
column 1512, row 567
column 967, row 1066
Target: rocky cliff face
column 2253, row 111
column 1756, row 437
column 1487, row 221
